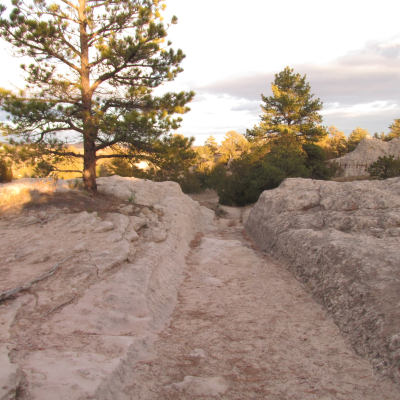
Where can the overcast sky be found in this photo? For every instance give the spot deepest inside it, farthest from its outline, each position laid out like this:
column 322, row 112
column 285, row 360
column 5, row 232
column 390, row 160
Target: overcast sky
column 349, row 51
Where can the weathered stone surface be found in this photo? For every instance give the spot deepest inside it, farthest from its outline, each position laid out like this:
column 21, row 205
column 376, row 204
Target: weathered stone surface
column 138, row 191
column 10, row 375
column 367, row 152
column 341, row 241
column 198, row 386
column 79, row 333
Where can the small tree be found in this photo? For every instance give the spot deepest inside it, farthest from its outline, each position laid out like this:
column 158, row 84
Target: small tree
column 335, row 144
column 212, row 144
column 394, row 131
column 95, row 65
column 355, row 137
column 205, row 156
column 385, row 167
column 233, row 145
column 290, row 110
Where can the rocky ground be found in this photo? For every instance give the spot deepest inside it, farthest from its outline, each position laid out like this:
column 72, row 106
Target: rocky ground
column 244, row 328
column 129, row 317
column 342, row 241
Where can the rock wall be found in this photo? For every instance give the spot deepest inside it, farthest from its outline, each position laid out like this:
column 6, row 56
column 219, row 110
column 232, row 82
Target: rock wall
column 342, row 241
column 80, row 332
column 367, row 152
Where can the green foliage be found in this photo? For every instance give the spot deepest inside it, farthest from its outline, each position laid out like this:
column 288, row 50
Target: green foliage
column 43, row 169
column 263, row 169
column 105, row 98
column 316, row 162
column 212, row 144
column 334, row 144
column 291, row 110
column 385, row 167
column 132, row 198
column 5, row 171
column 394, row 132
column 189, row 182
column 173, row 155
column 205, row 156
column 355, row 137
column 335, row 169
column 233, row 145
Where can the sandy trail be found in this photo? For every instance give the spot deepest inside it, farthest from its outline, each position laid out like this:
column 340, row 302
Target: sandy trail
column 244, row 328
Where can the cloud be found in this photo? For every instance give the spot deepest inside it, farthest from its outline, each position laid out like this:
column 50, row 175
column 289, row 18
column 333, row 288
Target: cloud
column 3, row 115
column 252, row 107
column 361, row 76
column 377, row 120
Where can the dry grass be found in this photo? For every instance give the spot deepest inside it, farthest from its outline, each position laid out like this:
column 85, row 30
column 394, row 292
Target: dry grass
column 16, row 197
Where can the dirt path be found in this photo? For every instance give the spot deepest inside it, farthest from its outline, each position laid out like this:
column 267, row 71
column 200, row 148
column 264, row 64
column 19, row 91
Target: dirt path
column 244, row 328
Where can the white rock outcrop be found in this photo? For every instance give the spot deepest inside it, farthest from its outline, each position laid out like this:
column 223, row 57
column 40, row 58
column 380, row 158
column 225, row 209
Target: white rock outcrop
column 79, row 333
column 342, row 241
column 367, row 152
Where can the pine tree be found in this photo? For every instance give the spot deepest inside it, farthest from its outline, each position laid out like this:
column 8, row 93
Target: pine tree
column 212, row 144
column 290, row 110
column 355, row 137
column 233, row 145
column 394, row 130
column 95, row 65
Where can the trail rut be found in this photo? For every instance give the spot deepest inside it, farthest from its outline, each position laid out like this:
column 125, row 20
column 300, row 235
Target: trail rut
column 244, row 328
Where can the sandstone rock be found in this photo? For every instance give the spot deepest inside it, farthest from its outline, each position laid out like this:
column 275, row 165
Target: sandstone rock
column 156, row 233
column 104, row 226
column 198, row 353
column 153, row 217
column 367, row 152
column 89, row 323
column 112, row 257
column 197, row 386
column 126, row 210
column 140, row 191
column 10, row 375
column 131, row 236
column 138, row 222
column 340, row 240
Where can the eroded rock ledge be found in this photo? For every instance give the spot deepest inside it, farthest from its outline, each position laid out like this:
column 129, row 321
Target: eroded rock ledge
column 342, row 241
column 78, row 333
column 357, row 162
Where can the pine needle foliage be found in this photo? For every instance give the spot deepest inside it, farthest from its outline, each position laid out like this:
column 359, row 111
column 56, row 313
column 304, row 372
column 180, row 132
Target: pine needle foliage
column 95, row 66
column 291, row 110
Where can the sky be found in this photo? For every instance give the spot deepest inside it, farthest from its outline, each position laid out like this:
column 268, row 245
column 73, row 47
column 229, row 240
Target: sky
column 349, row 50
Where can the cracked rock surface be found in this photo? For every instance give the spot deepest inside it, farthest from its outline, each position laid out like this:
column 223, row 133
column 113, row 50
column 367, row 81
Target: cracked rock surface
column 342, row 241
column 244, row 328
column 77, row 333
column 161, row 300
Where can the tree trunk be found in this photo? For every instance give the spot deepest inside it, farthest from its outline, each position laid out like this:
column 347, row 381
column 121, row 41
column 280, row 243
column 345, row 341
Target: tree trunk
column 89, row 165
column 89, row 130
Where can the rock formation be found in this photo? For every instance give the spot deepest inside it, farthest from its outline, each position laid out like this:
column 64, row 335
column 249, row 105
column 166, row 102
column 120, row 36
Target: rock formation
column 113, row 278
column 367, row 152
column 342, row 241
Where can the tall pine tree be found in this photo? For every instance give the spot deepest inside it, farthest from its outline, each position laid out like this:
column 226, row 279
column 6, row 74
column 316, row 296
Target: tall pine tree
column 95, row 66
column 291, row 110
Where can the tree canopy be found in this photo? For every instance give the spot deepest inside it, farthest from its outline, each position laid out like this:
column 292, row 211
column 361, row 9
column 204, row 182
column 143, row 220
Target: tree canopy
column 95, row 66
column 212, row 144
column 355, row 137
column 290, row 110
column 334, row 144
column 233, row 145
column 394, row 130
